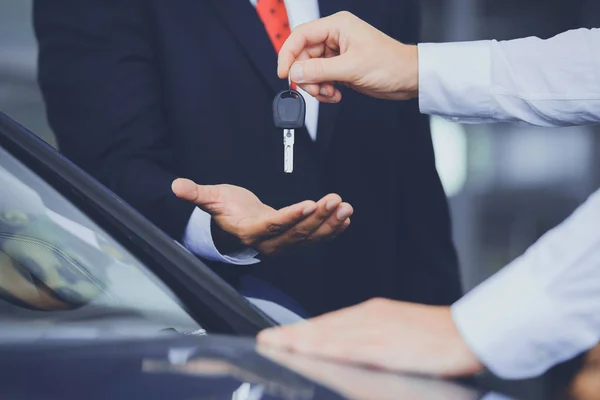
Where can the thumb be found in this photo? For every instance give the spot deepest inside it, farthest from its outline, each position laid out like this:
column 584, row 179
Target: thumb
column 204, row 196
column 321, row 70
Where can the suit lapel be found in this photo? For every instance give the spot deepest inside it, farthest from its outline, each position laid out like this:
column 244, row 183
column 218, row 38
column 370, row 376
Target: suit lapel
column 328, row 113
column 242, row 19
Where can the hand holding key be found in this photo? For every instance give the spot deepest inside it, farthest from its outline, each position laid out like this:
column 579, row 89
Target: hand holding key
column 240, row 213
column 344, row 49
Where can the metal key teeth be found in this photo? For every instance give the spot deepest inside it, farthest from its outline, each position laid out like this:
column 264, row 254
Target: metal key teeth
column 288, row 150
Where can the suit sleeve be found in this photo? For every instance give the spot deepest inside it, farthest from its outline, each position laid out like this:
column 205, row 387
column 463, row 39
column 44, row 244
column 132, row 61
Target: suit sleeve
column 101, row 83
column 429, row 217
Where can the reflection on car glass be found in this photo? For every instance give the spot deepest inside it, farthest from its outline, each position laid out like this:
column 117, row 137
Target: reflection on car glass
column 357, row 383
column 257, row 376
column 58, row 264
column 44, row 266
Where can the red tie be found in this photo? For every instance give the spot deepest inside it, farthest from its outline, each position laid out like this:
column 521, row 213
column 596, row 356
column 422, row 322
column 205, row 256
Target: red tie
column 274, row 16
column 275, row 19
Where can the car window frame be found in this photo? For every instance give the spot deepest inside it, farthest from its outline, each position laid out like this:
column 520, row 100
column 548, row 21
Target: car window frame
column 212, row 302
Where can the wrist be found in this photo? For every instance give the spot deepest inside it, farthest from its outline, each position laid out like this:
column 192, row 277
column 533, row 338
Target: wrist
column 404, row 72
column 413, row 70
column 225, row 242
column 466, row 360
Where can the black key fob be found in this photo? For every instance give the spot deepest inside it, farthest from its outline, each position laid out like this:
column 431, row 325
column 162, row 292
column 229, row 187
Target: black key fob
column 289, row 110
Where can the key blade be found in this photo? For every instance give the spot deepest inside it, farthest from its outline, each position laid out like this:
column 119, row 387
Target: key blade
column 288, row 168
column 288, row 151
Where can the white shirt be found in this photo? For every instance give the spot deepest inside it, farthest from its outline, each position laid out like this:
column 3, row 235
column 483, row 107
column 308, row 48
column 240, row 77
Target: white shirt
column 543, row 308
column 198, row 238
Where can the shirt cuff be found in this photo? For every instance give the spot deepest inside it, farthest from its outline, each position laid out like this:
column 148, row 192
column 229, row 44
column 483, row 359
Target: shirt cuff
column 511, row 324
column 198, row 239
column 455, row 80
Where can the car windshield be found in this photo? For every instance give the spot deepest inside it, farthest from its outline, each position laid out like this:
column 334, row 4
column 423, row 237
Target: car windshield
column 58, row 268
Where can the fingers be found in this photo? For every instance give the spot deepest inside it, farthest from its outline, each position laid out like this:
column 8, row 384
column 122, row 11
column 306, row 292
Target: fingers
column 299, row 232
column 286, row 336
column 342, row 228
column 307, row 54
column 302, row 38
column 326, row 209
column 346, row 335
column 320, row 70
column 335, row 98
column 321, row 336
column 184, row 189
column 318, row 38
column 324, row 92
column 284, row 219
column 336, row 224
column 204, row 196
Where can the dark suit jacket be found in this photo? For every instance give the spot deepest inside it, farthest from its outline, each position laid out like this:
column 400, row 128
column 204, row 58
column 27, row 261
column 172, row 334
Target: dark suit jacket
column 140, row 92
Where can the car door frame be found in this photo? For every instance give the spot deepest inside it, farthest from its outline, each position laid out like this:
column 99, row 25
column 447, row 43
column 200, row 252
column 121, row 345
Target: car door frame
column 213, row 303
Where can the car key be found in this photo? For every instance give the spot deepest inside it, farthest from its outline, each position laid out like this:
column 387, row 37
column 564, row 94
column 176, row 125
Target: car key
column 289, row 112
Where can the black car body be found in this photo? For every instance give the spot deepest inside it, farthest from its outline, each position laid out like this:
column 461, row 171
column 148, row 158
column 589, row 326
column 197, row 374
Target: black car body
column 97, row 303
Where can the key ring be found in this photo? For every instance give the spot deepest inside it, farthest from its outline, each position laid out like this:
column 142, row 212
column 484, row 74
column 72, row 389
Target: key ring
column 289, row 80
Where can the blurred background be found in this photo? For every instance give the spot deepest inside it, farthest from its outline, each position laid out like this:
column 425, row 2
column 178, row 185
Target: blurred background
column 20, row 96
column 509, row 184
column 506, row 184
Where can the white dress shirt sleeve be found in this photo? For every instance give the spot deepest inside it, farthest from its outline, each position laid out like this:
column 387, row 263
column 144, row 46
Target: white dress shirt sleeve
column 198, row 239
column 553, row 82
column 543, row 308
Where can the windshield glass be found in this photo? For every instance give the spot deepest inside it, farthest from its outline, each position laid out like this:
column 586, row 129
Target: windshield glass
column 58, row 268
